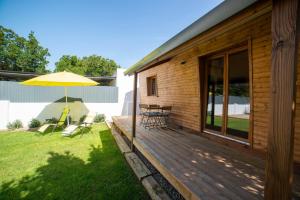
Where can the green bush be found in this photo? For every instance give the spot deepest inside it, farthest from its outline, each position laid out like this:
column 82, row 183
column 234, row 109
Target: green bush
column 99, row 118
column 34, row 123
column 18, row 124
column 10, row 125
column 15, row 124
column 53, row 120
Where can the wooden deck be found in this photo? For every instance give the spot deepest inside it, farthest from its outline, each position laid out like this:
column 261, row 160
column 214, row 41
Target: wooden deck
column 197, row 167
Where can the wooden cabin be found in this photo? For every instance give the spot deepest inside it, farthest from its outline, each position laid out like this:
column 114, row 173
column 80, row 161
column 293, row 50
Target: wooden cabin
column 233, row 77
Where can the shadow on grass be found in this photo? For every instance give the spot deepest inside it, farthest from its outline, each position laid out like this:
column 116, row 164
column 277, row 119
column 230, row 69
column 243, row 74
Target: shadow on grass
column 105, row 175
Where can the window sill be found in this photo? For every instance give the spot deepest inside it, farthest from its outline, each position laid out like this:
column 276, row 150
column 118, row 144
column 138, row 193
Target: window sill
column 226, row 137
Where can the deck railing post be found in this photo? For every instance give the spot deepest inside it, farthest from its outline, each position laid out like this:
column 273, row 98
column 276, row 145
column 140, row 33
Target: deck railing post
column 279, row 163
column 134, row 110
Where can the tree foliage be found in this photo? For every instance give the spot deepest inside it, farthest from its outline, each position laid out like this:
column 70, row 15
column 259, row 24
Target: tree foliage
column 21, row 54
column 70, row 64
column 91, row 65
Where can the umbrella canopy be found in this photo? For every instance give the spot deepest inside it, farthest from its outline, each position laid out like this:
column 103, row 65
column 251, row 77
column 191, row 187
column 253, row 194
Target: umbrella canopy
column 60, row 79
column 64, row 79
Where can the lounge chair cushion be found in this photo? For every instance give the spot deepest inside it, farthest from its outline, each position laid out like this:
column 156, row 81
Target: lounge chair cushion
column 43, row 128
column 69, row 130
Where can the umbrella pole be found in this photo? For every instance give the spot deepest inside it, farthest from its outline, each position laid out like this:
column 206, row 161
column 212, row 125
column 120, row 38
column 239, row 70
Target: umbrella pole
column 66, row 95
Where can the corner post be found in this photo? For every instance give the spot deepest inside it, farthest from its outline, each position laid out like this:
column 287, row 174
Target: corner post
column 134, row 110
column 279, row 163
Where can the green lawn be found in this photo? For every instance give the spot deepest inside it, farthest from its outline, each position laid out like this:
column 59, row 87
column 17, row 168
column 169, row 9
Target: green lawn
column 218, row 120
column 49, row 166
column 238, row 124
column 233, row 123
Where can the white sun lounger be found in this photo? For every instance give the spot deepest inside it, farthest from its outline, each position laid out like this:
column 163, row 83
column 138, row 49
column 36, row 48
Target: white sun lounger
column 69, row 130
column 88, row 121
column 43, row 128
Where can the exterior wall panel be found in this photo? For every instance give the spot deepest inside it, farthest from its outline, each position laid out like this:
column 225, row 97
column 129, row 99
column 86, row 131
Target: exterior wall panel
column 178, row 84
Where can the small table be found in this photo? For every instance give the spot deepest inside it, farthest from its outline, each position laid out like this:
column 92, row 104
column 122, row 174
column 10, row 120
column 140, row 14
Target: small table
column 154, row 116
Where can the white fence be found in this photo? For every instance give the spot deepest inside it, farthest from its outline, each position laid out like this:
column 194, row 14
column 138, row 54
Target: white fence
column 16, row 93
column 236, row 105
column 28, row 102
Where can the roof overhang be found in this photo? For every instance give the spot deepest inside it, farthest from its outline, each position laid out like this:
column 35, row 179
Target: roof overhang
column 220, row 13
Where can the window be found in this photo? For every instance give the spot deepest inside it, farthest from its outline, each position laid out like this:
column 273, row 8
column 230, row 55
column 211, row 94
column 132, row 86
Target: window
column 215, row 86
column 227, row 96
column 238, row 95
column 152, row 86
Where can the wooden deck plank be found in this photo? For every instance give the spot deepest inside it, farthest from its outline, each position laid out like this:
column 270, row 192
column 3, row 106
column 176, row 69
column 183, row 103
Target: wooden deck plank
column 199, row 179
column 123, row 124
column 197, row 174
column 197, row 167
column 175, row 153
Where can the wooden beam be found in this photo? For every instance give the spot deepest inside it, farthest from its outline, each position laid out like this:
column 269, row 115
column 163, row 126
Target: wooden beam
column 279, row 164
column 213, row 96
column 251, row 122
column 134, row 110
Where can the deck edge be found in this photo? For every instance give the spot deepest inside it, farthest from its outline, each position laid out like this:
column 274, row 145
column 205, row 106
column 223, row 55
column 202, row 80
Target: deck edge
column 178, row 185
column 154, row 190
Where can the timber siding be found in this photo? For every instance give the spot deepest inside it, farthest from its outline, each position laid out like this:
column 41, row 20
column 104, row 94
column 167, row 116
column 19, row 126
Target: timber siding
column 178, row 83
column 177, row 86
column 297, row 117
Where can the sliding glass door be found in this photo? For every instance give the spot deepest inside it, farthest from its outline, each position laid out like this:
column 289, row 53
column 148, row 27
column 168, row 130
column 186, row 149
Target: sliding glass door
column 238, row 95
column 227, row 94
column 215, row 86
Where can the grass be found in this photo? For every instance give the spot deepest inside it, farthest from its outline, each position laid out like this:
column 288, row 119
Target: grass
column 218, row 120
column 49, row 166
column 233, row 123
column 238, row 124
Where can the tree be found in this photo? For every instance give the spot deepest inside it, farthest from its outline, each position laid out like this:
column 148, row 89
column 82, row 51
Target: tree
column 21, row 54
column 99, row 66
column 91, row 65
column 70, row 64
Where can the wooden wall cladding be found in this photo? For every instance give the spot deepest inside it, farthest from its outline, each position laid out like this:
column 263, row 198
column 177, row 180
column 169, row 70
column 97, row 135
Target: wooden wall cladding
column 178, row 79
column 297, row 114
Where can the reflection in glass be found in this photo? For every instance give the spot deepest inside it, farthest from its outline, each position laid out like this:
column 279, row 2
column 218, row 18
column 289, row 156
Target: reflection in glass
column 215, row 82
column 238, row 95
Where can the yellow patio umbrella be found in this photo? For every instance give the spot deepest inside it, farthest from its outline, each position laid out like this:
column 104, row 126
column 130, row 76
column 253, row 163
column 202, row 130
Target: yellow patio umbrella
column 61, row 79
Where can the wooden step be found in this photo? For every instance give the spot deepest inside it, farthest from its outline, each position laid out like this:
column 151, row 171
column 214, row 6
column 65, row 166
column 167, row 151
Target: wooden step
column 137, row 165
column 120, row 142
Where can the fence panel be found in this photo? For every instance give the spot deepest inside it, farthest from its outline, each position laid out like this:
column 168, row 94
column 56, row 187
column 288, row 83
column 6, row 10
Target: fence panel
column 14, row 92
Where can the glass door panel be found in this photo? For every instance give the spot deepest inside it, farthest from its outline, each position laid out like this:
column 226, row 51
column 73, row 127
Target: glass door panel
column 238, row 95
column 215, row 84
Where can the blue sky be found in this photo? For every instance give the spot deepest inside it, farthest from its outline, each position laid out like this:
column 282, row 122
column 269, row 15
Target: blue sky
column 123, row 30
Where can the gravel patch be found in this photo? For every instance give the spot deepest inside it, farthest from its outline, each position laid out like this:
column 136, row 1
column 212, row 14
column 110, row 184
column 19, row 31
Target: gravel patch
column 164, row 183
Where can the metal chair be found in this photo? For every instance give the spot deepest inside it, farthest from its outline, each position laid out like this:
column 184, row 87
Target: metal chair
column 164, row 116
column 152, row 116
column 143, row 110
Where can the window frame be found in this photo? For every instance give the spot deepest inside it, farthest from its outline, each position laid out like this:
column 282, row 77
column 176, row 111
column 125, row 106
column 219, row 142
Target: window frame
column 149, row 83
column 204, row 87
